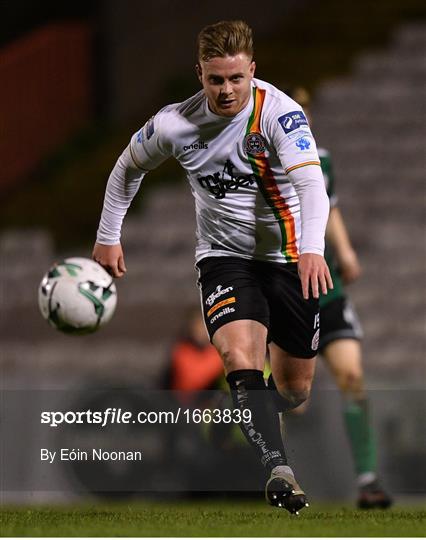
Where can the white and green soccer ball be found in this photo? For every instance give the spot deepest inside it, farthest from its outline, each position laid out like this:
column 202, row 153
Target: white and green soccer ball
column 77, row 296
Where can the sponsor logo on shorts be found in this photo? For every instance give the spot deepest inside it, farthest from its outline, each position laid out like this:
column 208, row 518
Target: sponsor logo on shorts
column 221, row 304
column 315, row 341
column 217, row 294
column 254, row 144
column 292, row 120
column 226, row 311
column 200, row 145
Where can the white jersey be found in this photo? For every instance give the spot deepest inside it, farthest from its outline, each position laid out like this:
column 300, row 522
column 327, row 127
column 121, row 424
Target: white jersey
column 245, row 173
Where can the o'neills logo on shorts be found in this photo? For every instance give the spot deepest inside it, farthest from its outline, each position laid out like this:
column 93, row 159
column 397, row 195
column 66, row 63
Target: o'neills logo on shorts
column 225, row 311
column 217, row 294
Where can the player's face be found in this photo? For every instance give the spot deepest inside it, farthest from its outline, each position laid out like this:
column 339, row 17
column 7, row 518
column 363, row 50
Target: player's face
column 226, row 82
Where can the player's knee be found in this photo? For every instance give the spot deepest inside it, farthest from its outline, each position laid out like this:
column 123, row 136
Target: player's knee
column 350, row 382
column 235, row 358
column 295, row 396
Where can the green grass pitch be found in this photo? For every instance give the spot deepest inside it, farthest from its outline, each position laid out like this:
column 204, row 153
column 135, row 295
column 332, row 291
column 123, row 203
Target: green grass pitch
column 209, row 518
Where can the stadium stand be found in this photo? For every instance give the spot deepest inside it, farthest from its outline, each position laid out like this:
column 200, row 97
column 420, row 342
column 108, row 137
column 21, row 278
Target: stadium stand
column 373, row 123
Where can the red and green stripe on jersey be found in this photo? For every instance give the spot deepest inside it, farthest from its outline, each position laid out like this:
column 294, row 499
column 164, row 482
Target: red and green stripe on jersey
column 268, row 185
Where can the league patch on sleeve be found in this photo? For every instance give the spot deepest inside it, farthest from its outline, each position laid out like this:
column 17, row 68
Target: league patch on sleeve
column 304, row 143
column 292, row 120
column 139, row 136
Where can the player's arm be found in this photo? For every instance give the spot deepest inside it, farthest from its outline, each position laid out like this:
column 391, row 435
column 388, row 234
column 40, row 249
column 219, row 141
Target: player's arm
column 314, row 207
column 337, row 235
column 297, row 151
column 145, row 152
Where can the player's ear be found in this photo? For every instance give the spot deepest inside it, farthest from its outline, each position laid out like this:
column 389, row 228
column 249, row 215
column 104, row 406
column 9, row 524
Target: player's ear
column 252, row 68
column 199, row 72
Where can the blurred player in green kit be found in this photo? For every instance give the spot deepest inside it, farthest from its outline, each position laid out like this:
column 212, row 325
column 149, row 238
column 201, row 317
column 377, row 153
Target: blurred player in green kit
column 340, row 340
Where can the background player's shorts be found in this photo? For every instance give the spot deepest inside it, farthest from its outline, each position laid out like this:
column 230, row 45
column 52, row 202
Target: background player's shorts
column 233, row 288
column 339, row 320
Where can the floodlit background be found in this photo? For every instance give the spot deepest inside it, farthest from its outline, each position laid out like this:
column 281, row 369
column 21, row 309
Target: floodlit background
column 78, row 78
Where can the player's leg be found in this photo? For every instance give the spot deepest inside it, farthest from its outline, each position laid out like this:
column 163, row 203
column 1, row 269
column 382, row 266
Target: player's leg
column 294, row 328
column 290, row 382
column 242, row 346
column 294, row 332
column 343, row 357
column 291, row 376
column 341, row 349
column 237, row 316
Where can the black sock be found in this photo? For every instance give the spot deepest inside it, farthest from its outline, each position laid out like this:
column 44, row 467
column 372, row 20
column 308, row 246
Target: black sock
column 263, row 432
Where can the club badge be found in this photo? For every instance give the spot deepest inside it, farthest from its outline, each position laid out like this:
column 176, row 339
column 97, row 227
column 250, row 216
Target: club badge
column 254, row 144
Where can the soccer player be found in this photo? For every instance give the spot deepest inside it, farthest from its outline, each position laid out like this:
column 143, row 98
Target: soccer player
column 340, row 339
column 262, row 210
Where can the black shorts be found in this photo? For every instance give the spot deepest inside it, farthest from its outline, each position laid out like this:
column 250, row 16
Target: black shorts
column 339, row 320
column 233, row 288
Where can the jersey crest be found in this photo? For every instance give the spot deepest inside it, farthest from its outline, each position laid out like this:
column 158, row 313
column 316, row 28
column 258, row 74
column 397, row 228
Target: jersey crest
column 254, row 144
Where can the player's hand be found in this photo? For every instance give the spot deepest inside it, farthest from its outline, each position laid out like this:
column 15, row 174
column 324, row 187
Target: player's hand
column 111, row 258
column 314, row 274
column 349, row 266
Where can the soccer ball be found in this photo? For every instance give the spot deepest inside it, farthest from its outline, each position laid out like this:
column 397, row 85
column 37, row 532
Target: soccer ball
column 77, row 296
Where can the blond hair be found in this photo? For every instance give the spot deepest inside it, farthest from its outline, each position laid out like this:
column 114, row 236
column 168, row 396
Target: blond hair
column 225, row 38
